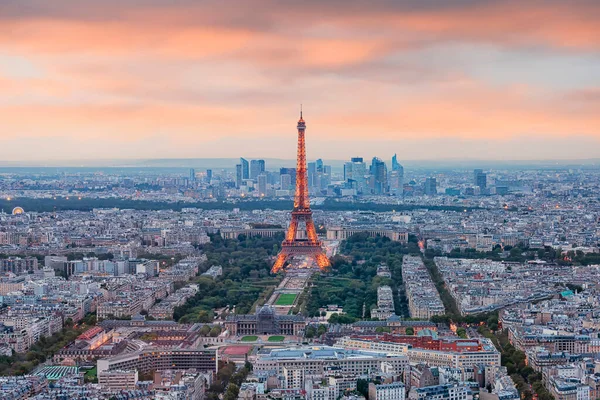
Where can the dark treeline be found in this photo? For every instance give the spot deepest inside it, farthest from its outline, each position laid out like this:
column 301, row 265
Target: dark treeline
column 452, row 312
column 88, row 204
column 523, row 254
column 515, row 361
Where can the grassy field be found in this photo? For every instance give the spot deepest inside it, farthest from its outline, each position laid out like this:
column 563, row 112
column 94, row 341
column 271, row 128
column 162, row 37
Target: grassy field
column 276, row 338
column 286, row 299
column 249, row 338
column 92, row 375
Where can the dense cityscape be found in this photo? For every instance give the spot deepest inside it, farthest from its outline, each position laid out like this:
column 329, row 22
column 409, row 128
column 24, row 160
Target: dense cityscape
column 448, row 284
column 299, row 200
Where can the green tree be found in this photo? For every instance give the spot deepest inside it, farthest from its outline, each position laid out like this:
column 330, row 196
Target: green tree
column 232, row 392
column 322, row 329
column 205, row 316
column 205, row 330
column 362, row 386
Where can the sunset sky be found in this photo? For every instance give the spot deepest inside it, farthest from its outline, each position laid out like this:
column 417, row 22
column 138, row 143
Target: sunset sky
column 447, row 79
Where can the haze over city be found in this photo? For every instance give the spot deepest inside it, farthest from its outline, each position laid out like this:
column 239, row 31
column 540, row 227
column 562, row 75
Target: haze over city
column 299, row 200
column 186, row 79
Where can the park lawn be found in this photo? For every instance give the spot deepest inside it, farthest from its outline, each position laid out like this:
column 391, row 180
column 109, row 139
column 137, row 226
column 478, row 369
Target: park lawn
column 286, row 299
column 249, row 339
column 91, row 375
column 276, row 338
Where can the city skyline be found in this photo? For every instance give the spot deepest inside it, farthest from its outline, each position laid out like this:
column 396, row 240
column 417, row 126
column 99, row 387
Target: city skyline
column 285, row 200
column 154, row 80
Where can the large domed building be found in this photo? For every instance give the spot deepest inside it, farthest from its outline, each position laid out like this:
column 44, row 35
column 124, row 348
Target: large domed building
column 18, row 210
column 265, row 322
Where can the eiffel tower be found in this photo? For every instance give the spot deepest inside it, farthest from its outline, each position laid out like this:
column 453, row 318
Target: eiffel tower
column 292, row 246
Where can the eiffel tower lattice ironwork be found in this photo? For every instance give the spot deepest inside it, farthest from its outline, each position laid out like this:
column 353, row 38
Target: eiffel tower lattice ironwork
column 291, row 245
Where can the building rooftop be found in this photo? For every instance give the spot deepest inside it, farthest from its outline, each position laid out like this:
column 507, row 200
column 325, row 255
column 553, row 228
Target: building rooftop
column 321, row 352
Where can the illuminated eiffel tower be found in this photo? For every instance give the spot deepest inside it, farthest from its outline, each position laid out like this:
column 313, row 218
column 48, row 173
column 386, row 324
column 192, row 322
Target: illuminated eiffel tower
column 292, row 246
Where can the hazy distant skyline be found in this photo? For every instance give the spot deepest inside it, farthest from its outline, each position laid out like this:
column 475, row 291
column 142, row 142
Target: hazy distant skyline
column 478, row 79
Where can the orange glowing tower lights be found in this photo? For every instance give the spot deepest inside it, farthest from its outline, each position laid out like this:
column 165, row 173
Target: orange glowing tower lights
column 292, row 246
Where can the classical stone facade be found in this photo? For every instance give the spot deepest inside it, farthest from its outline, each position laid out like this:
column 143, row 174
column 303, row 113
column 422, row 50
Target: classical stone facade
column 265, row 322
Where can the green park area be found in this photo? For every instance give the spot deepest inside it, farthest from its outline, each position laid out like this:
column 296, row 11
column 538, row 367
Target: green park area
column 91, row 375
column 276, row 338
column 286, row 299
column 352, row 282
column 249, row 339
column 246, row 278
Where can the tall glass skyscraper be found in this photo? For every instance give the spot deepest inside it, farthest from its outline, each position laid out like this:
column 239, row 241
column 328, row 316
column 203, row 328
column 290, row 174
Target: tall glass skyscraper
column 291, row 172
column 245, row 168
column 239, row 175
column 378, row 170
column 355, row 172
column 430, row 187
column 396, row 178
column 257, row 167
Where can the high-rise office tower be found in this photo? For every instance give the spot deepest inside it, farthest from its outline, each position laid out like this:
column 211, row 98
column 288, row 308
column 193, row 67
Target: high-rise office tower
column 326, row 177
column 480, row 179
column 319, row 165
column 257, row 167
column 476, row 173
column 262, row 184
column 192, row 175
column 396, row 178
column 378, row 172
column 348, row 171
column 285, row 182
column 239, row 175
column 430, row 188
column 208, row 175
column 322, row 176
column 272, row 178
column 289, row 171
column 311, row 172
column 359, row 174
column 395, row 164
column 245, row 168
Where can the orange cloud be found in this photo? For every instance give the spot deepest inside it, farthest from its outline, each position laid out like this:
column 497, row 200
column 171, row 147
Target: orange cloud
column 197, row 72
column 467, row 110
column 322, row 30
column 124, row 123
column 49, row 36
column 463, row 110
column 570, row 25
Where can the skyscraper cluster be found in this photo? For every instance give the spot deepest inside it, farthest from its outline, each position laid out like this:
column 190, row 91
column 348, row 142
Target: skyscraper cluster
column 253, row 170
column 319, row 174
column 376, row 179
column 252, row 176
column 360, row 177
